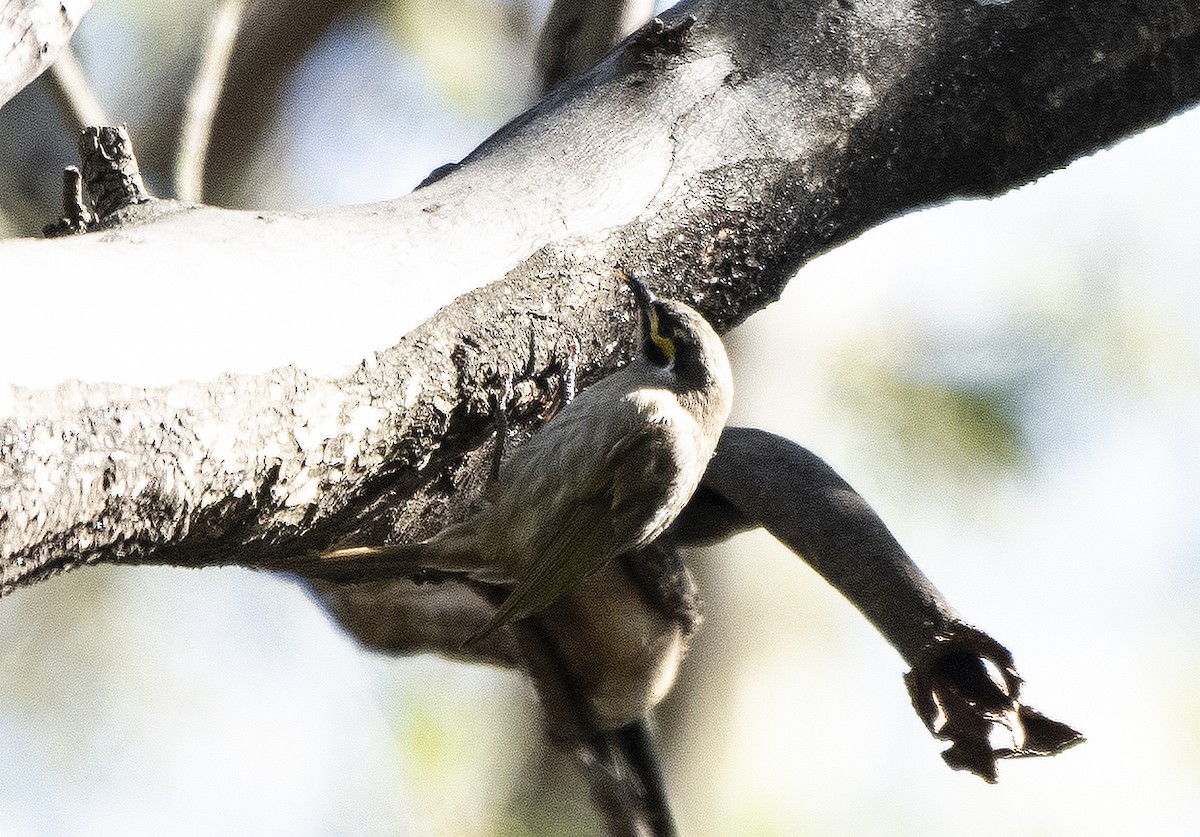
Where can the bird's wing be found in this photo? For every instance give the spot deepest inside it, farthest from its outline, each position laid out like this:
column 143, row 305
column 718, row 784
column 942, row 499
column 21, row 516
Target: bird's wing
column 645, row 467
column 599, row 516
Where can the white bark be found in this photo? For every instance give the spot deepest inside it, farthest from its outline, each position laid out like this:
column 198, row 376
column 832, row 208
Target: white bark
column 31, row 34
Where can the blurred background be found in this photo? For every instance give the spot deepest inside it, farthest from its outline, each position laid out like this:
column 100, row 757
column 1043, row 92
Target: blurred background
column 1014, row 384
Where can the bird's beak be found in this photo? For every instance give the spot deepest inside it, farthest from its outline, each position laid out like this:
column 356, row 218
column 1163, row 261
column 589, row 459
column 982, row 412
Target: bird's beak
column 645, row 302
column 659, row 348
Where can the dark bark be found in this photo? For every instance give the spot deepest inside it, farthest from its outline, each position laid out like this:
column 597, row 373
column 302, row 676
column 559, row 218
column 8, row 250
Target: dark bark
column 760, row 479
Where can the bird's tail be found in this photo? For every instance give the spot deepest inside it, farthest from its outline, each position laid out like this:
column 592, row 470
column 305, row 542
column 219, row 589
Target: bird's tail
column 370, row 563
column 541, row 587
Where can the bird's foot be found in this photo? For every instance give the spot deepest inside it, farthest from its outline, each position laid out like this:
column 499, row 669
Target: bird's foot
column 500, row 402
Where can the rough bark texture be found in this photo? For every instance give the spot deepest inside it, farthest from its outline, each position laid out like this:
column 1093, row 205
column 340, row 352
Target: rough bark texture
column 711, row 157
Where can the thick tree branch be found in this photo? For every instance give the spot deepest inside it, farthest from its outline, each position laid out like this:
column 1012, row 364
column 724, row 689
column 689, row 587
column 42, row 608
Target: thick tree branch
column 163, row 473
column 32, row 32
column 710, row 166
column 695, row 161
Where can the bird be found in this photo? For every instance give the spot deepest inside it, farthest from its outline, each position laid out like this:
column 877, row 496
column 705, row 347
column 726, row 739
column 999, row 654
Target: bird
column 607, row 474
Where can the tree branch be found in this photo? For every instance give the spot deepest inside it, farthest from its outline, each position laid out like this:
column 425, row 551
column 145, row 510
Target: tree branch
column 708, row 165
column 760, row 479
column 32, row 32
column 196, row 131
column 723, row 226
column 273, row 37
column 713, row 154
column 578, row 33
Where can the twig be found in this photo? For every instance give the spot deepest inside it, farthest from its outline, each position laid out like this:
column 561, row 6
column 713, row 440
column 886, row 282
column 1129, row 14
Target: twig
column 196, row 131
column 578, row 33
column 72, row 94
column 76, row 217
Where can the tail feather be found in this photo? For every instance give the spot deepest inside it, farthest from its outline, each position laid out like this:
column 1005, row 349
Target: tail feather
column 541, row 587
column 370, row 563
column 509, row 611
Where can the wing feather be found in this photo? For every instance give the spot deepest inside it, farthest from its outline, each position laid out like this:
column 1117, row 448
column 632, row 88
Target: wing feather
column 605, row 514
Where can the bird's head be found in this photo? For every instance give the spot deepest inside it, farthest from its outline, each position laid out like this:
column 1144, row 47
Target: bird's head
column 676, row 339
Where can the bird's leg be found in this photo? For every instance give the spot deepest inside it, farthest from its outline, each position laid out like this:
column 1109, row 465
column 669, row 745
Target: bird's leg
column 566, row 384
column 500, row 402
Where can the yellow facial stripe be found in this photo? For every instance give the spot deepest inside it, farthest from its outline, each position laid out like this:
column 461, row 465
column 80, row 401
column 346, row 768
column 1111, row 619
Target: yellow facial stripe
column 665, row 344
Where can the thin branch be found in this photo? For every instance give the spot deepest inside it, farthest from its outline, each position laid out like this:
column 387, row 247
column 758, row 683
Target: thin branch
column 76, row 216
column 578, row 33
column 274, row 36
column 758, row 478
column 196, row 131
column 72, row 93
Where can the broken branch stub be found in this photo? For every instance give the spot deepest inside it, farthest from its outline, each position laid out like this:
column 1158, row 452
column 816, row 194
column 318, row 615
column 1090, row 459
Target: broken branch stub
column 965, row 688
column 110, row 169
